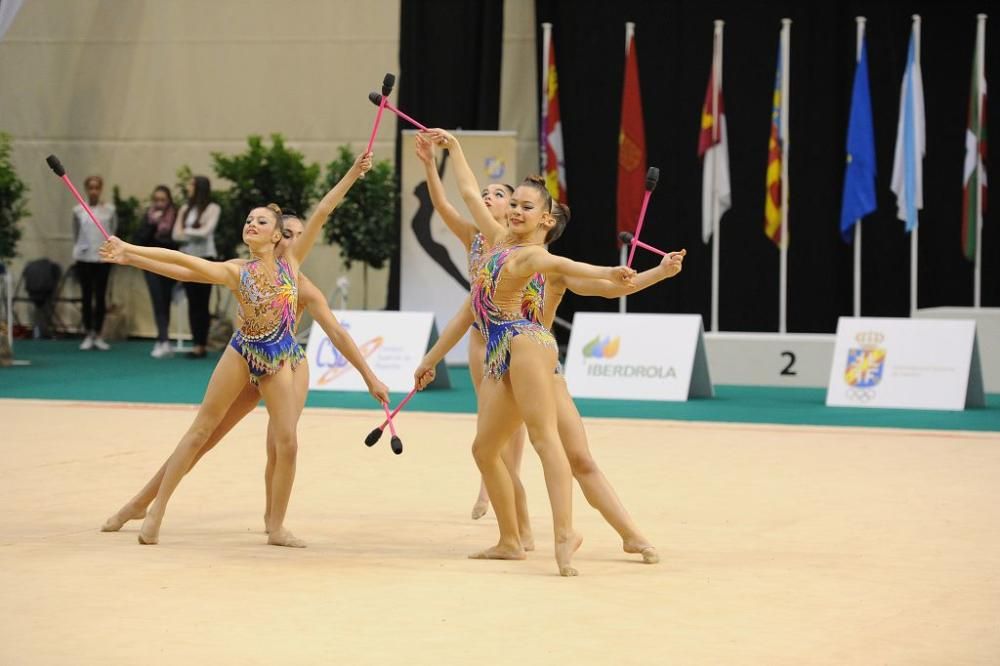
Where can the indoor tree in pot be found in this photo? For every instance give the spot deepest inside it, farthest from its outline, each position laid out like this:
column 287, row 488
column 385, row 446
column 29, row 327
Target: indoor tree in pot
column 363, row 224
column 13, row 207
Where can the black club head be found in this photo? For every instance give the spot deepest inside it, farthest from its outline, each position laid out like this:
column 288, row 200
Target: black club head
column 387, row 83
column 397, row 445
column 375, row 98
column 55, row 165
column 373, row 437
column 652, row 177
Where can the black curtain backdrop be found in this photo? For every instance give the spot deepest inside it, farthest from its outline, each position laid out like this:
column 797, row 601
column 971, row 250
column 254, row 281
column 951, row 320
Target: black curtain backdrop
column 449, row 75
column 674, row 44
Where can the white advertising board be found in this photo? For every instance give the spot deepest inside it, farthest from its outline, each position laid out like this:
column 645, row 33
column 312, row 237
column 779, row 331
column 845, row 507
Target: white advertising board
column 392, row 344
column 905, row 363
column 637, row 357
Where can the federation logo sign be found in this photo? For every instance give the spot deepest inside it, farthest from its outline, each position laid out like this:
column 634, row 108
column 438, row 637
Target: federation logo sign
column 335, row 364
column 865, row 365
column 495, row 168
column 598, row 348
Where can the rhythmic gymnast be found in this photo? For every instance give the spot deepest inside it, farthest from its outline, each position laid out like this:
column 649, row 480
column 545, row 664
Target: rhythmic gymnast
column 264, row 347
column 496, row 198
column 595, row 486
column 520, row 354
column 312, row 301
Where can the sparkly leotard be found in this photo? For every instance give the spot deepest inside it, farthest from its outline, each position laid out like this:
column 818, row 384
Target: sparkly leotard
column 499, row 311
column 266, row 337
column 534, row 292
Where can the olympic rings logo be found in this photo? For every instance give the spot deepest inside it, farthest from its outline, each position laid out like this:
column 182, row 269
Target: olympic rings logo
column 860, row 395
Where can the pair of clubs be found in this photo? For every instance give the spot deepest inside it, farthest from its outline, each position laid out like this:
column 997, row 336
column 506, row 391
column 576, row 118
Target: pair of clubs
column 376, row 434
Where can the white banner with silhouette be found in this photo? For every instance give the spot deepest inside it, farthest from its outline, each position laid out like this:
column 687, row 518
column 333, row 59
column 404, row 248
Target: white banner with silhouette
column 433, row 263
column 637, row 357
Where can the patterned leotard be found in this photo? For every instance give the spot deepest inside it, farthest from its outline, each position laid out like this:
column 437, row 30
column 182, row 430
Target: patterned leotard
column 534, row 292
column 498, row 325
column 266, row 337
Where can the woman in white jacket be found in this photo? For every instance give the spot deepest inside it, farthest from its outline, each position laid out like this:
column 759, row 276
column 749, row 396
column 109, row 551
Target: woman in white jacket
column 92, row 274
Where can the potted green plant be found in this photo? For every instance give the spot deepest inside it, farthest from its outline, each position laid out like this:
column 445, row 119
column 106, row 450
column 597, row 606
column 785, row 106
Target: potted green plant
column 260, row 175
column 13, row 203
column 13, row 207
column 363, row 224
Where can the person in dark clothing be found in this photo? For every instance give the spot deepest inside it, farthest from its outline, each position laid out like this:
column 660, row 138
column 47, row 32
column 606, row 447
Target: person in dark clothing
column 156, row 230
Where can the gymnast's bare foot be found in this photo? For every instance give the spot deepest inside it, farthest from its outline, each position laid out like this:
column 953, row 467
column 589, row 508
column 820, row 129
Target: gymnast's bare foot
column 501, row 551
column 125, row 514
column 480, row 507
column 149, row 533
column 648, row 551
column 282, row 537
column 527, row 540
column 565, row 547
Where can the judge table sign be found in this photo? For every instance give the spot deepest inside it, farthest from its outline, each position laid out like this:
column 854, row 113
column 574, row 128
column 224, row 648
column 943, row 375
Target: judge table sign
column 906, row 363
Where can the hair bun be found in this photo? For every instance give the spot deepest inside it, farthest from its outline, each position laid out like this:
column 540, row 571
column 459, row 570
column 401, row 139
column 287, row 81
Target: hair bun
column 535, row 179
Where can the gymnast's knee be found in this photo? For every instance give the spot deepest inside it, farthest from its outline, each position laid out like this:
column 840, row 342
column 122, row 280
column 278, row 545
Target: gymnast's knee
column 285, row 443
column 483, row 453
column 582, row 464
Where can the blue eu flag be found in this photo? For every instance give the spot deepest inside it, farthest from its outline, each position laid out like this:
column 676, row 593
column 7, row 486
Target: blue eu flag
column 859, row 176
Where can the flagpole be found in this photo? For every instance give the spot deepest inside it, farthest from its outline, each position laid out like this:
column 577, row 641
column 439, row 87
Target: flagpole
column 860, row 20
column 981, row 68
column 786, row 27
column 543, row 127
column 914, row 244
column 716, row 86
column 622, row 254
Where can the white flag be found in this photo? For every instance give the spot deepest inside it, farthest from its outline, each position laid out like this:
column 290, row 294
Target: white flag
column 713, row 147
column 911, row 142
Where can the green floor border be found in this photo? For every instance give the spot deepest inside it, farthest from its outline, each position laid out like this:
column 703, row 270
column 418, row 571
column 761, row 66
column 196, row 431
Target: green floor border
column 59, row 371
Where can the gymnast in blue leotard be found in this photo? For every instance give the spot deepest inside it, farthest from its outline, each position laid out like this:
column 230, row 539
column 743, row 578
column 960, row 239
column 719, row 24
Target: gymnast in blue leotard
column 521, row 354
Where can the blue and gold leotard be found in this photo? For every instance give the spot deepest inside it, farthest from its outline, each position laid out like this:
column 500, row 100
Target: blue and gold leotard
column 266, row 337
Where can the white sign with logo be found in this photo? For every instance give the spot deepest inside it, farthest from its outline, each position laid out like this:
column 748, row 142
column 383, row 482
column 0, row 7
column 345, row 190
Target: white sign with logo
column 392, row 344
column 906, row 363
column 637, row 357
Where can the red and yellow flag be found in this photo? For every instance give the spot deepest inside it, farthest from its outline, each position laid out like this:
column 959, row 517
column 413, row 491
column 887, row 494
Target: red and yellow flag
column 772, row 201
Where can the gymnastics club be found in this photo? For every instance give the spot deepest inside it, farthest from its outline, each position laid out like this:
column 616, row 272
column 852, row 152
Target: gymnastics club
column 387, row 83
column 57, row 166
column 628, row 239
column 380, row 100
column 376, row 434
column 652, row 176
column 397, row 443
